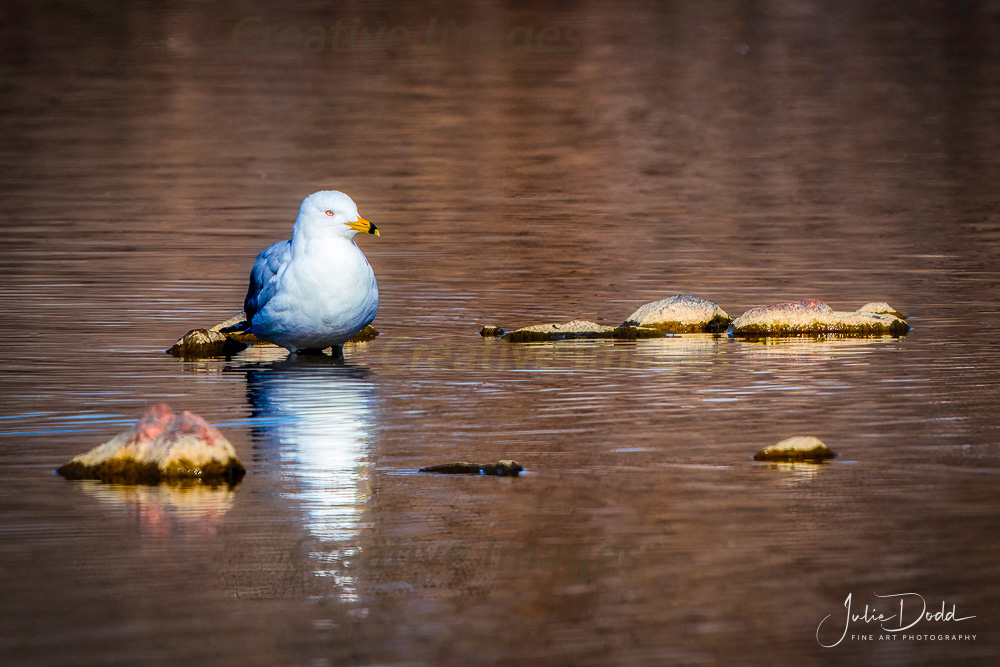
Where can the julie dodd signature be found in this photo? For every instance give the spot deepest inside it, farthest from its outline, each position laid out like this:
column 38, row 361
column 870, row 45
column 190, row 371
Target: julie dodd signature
column 911, row 611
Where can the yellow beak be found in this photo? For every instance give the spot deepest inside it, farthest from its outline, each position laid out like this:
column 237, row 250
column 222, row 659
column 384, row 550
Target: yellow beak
column 363, row 225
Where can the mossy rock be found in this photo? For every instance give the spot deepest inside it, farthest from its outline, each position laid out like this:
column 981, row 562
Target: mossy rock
column 365, row 335
column 680, row 314
column 628, row 332
column 130, row 471
column 810, row 317
column 506, row 468
column 490, row 331
column 202, row 343
column 161, row 447
column 798, row 449
column 232, row 336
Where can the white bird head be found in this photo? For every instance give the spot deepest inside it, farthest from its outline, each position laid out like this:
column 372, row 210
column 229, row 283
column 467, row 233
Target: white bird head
column 329, row 213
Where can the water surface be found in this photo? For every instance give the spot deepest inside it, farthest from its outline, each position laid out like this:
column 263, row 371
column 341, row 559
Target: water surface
column 750, row 153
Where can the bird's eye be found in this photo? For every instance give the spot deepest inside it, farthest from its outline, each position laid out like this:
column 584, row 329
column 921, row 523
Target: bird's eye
column 329, row 213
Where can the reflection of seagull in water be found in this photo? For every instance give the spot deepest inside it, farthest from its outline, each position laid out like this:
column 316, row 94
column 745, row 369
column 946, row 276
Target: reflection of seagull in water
column 311, row 424
column 316, row 290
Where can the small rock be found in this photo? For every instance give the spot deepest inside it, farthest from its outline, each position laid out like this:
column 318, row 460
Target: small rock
column 574, row 329
column 579, row 329
column 881, row 308
column 365, row 335
column 812, row 317
column 490, row 331
column 199, row 343
column 505, row 468
column 161, row 447
column 803, row 448
column 232, row 336
column 236, row 328
column 681, row 313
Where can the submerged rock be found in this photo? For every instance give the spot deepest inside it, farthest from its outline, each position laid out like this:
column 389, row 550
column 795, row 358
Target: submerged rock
column 233, row 336
column 161, row 447
column 199, row 343
column 574, row 329
column 365, row 335
column 810, row 317
column 804, row 448
column 881, row 308
column 490, row 331
column 236, row 328
column 505, row 468
column 578, row 329
column 681, row 313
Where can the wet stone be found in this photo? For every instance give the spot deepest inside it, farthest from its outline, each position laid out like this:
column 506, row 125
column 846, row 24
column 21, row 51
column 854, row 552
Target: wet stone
column 365, row 335
column 802, row 448
column 579, row 329
column 574, row 329
column 505, row 468
column 232, row 336
column 881, row 308
column 162, row 447
column 814, row 317
column 490, row 331
column 200, row 343
column 681, row 313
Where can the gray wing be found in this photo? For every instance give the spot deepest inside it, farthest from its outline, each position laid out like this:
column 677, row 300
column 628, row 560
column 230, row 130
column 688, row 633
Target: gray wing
column 263, row 277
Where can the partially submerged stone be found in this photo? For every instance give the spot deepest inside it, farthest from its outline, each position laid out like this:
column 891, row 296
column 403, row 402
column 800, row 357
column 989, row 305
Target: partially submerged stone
column 236, row 328
column 365, row 335
column 681, row 313
column 161, row 447
column 578, row 329
column 506, row 468
column 199, row 343
column 232, row 336
column 574, row 329
column 801, row 448
column 490, row 331
column 881, row 308
column 813, row 317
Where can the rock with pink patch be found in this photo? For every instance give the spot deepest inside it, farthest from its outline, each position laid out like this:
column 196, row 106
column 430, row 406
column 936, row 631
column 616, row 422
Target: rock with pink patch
column 162, row 447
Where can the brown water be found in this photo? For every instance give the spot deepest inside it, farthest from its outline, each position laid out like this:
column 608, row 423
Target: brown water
column 751, row 153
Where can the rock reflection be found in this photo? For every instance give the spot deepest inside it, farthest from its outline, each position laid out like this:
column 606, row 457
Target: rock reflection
column 815, row 346
column 312, row 421
column 165, row 510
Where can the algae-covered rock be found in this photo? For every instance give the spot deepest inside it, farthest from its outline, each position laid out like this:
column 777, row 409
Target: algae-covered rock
column 628, row 332
column 813, row 317
column 232, row 336
column 365, row 335
column 504, row 468
column 574, row 329
column 881, row 308
column 161, row 447
column 579, row 329
column 491, row 331
column 199, row 343
column 802, row 448
column 237, row 328
column 681, row 313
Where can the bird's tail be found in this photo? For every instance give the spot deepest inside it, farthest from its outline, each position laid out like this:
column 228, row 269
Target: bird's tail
column 239, row 327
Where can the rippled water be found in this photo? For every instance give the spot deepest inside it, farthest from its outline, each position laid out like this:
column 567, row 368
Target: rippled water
column 748, row 153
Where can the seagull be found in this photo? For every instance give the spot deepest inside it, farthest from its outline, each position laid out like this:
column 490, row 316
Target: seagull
column 317, row 289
